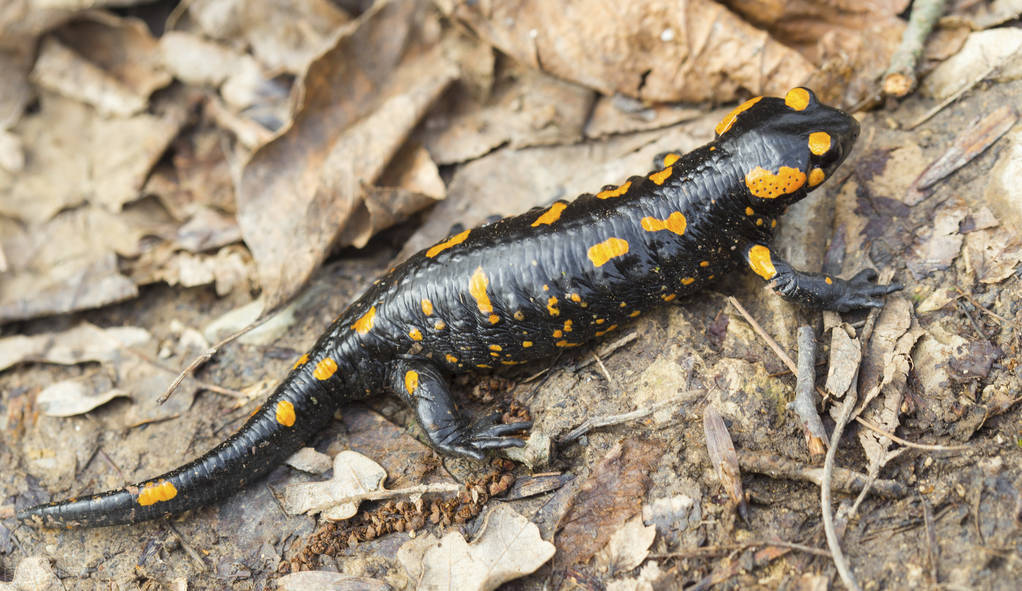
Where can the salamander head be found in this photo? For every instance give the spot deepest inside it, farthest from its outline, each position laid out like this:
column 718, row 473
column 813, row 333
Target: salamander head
column 787, row 146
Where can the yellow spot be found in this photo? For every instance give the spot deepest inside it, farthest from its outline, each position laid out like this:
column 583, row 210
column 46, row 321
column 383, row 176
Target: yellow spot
column 285, row 413
column 551, row 215
column 688, row 280
column 301, row 361
column 670, row 159
column 614, row 192
column 427, row 307
column 759, row 221
column 567, row 325
column 450, row 358
column 819, row 142
column 675, row 223
column 662, row 176
column 494, row 319
column 600, row 320
column 704, row 264
column 797, row 98
column 483, row 366
column 546, row 287
column 519, row 315
column 566, row 344
column 452, row 241
column 440, row 325
column 729, row 120
column 551, row 306
column 526, row 344
column 411, row 381
column 828, row 280
column 477, row 287
column 558, row 333
column 749, row 211
column 773, row 223
column 154, row 492
column 494, row 354
column 767, row 185
column 511, row 362
column 624, row 304
column 759, row 261
column 712, row 148
column 365, row 323
column 415, row 334
column 600, row 253
column 324, row 369
column 669, row 297
column 600, row 333
column 635, row 313
column 816, row 176
column 495, row 348
column 575, row 297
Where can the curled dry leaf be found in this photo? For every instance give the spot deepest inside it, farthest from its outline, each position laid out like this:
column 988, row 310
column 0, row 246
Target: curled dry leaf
column 358, row 102
column 74, row 397
column 1005, row 179
column 659, row 51
column 992, row 255
column 939, row 248
column 354, row 474
column 309, row 460
column 994, row 52
column 508, row 546
column 627, row 548
column 15, row 91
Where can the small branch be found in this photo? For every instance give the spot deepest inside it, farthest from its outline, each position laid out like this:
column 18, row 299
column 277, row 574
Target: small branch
column 900, row 78
column 763, row 335
column 927, row 446
column 608, row 420
column 840, row 561
column 804, row 404
column 844, row 480
column 709, row 551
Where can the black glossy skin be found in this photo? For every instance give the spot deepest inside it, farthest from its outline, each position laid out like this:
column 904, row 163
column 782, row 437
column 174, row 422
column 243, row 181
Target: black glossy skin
column 526, row 263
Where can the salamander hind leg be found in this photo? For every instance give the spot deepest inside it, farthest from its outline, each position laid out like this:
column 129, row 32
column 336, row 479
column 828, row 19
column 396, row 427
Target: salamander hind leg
column 449, row 432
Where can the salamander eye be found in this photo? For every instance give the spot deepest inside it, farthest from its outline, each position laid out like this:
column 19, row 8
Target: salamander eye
column 800, row 98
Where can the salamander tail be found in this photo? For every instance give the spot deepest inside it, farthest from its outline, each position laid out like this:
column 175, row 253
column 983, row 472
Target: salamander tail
column 299, row 408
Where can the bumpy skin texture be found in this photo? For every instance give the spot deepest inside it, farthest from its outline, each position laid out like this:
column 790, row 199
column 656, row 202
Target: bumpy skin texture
column 526, row 287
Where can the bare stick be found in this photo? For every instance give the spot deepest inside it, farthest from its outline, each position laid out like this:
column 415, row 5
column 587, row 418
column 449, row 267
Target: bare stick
column 207, row 355
column 844, row 480
column 900, row 78
column 927, row 446
column 804, row 404
column 840, row 561
column 709, row 551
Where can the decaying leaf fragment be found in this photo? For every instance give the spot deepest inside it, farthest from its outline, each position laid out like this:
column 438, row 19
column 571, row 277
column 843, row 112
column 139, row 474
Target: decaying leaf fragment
column 627, row 548
column 723, row 458
column 509, row 546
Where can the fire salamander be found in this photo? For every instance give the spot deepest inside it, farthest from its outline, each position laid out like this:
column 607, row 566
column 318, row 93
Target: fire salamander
column 526, row 287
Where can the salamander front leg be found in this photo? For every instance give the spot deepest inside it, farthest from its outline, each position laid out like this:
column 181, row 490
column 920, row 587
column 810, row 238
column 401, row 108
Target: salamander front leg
column 425, row 390
column 817, row 290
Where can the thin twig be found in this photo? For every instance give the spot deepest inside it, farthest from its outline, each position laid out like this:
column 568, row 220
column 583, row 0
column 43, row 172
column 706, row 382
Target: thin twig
column 907, row 443
column 840, row 561
column 609, row 420
column 207, row 355
column 728, row 548
column 763, row 335
column 804, row 404
column 844, row 480
column 200, row 383
column 932, row 550
column 944, row 103
column 189, row 550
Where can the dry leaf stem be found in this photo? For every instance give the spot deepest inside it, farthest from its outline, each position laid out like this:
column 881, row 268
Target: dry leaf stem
column 804, row 404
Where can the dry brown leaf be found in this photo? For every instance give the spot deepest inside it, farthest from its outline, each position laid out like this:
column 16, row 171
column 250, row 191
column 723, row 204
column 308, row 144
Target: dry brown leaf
column 525, row 108
column 508, row 546
column 15, row 91
column 122, row 47
column 68, row 398
column 359, row 101
column 843, row 366
column 83, row 343
column 992, row 255
column 603, row 503
column 621, row 114
column 67, row 73
column 627, row 548
column 938, row 246
column 320, row 580
column 723, row 458
column 34, row 573
column 656, row 50
column 1005, row 179
column 22, row 21
column 797, row 22
column 894, row 338
column 78, row 157
column 354, row 474
column 285, row 35
column 996, row 52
